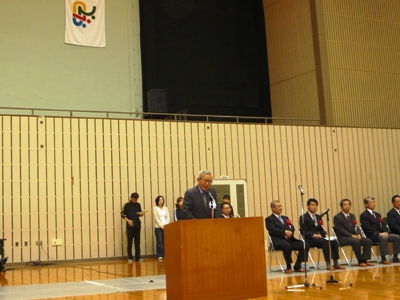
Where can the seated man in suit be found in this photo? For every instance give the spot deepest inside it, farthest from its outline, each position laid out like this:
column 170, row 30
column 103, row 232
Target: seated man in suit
column 393, row 216
column 226, row 211
column 377, row 232
column 281, row 231
column 347, row 233
column 314, row 234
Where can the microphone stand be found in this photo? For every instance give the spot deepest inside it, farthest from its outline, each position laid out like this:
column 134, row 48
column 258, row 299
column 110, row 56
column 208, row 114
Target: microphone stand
column 306, row 283
column 331, row 278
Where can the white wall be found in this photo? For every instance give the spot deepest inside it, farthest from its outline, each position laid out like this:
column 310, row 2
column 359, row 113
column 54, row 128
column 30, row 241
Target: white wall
column 37, row 69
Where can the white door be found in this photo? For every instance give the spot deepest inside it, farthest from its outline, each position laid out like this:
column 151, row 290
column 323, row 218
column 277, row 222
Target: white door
column 236, row 189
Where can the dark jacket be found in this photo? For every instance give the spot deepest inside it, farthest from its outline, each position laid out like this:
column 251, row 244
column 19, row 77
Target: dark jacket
column 193, row 204
column 277, row 230
column 130, row 211
column 372, row 226
column 393, row 218
column 308, row 228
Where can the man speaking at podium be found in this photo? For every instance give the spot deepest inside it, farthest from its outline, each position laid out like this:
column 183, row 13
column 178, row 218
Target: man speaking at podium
column 200, row 202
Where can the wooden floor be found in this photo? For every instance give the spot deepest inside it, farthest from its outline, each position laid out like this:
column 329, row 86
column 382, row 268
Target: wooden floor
column 369, row 283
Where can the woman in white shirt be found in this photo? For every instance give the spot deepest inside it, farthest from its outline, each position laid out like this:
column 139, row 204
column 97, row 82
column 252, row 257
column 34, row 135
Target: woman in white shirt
column 161, row 217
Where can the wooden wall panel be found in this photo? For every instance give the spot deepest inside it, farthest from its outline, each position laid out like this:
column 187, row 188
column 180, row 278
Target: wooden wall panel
column 76, row 192
column 148, row 171
column 69, row 183
column 15, row 184
column 7, row 199
column 75, row 185
column 60, row 182
column 364, row 59
column 173, row 156
column 291, row 62
column 235, row 153
column 260, row 199
column 50, row 200
column 23, row 164
column 42, row 183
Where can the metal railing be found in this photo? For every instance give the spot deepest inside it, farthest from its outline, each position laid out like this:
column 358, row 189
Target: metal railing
column 178, row 116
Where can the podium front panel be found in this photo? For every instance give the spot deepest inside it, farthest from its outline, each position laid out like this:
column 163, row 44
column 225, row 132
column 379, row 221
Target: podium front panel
column 215, row 259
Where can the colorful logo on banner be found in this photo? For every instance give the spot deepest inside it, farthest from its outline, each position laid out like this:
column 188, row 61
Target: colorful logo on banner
column 80, row 15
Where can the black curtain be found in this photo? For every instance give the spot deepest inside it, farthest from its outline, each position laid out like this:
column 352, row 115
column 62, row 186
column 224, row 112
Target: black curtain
column 209, row 56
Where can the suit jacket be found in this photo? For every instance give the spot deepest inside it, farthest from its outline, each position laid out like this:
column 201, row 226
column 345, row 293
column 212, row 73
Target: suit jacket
column 193, row 204
column 344, row 228
column 232, row 212
column 277, row 230
column 308, row 228
column 371, row 225
column 221, row 215
column 393, row 218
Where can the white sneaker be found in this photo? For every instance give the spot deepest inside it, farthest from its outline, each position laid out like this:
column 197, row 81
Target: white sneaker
column 130, row 261
column 160, row 258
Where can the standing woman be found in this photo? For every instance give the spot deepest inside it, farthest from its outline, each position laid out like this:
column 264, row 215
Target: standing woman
column 161, row 217
column 178, row 209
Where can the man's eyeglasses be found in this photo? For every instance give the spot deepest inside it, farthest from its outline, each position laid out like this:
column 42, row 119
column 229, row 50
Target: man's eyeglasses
column 206, row 180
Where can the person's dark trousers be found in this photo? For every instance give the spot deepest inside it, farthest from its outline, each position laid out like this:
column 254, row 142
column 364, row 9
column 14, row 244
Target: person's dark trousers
column 287, row 246
column 324, row 245
column 160, row 241
column 134, row 234
column 356, row 245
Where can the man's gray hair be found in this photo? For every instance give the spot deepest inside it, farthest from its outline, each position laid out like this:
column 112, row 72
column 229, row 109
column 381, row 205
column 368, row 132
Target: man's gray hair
column 366, row 199
column 204, row 172
column 274, row 202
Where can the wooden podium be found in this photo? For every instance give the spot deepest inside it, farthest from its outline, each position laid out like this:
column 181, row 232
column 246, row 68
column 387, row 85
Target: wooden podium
column 215, row 259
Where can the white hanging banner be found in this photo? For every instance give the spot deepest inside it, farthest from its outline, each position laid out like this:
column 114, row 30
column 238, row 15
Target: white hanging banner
column 85, row 23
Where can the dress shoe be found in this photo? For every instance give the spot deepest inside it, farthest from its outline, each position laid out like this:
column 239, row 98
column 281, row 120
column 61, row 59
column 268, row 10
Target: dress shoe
column 288, row 271
column 4, row 260
column 301, row 270
column 362, row 264
column 339, row 267
column 396, row 260
column 386, row 262
column 330, row 268
column 369, row 264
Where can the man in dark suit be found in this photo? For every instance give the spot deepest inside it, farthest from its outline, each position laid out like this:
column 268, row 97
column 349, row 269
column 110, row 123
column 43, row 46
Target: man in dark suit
column 377, row 232
column 314, row 234
column 281, row 231
column 200, row 202
column 347, row 233
column 393, row 216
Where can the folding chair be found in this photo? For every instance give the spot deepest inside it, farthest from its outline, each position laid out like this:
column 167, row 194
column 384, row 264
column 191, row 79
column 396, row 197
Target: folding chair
column 341, row 248
column 385, row 223
column 272, row 249
column 373, row 244
column 309, row 254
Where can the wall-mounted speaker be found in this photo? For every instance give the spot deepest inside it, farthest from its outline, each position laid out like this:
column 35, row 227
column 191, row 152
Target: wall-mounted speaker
column 157, row 101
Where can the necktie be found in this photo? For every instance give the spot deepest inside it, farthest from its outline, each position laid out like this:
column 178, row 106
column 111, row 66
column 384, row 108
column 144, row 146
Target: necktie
column 348, row 218
column 280, row 219
column 373, row 213
column 204, row 199
column 315, row 221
